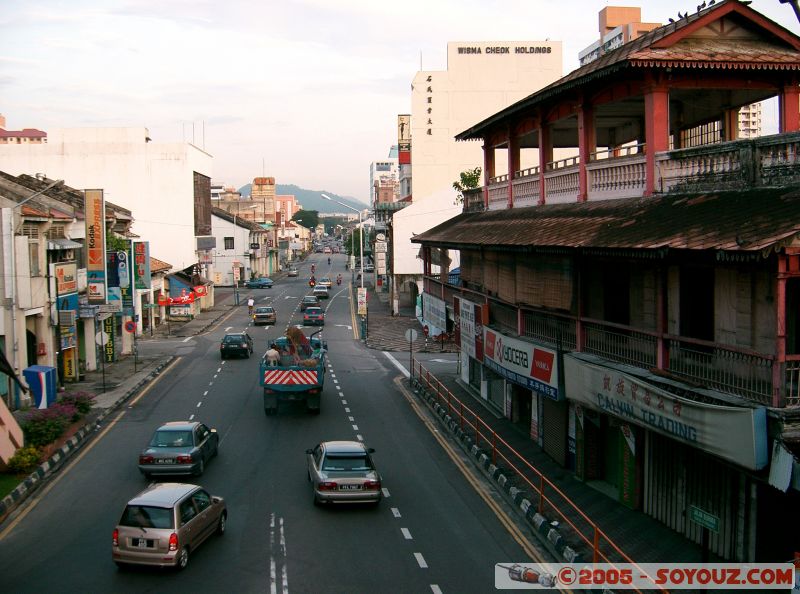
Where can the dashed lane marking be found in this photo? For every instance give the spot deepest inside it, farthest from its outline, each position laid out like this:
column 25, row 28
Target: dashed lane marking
column 396, row 512
column 421, row 561
column 406, row 533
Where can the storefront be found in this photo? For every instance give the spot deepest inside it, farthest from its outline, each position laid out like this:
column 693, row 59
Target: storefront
column 667, row 454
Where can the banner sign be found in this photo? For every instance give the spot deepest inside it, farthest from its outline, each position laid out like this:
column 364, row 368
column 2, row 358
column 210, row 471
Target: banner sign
column 532, row 366
column 66, row 278
column 737, row 434
column 124, row 271
column 141, row 264
column 362, row 301
column 434, row 311
column 108, row 348
column 95, row 219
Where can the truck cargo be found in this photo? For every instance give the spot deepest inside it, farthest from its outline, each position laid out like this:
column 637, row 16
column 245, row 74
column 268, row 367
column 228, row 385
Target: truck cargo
column 293, row 370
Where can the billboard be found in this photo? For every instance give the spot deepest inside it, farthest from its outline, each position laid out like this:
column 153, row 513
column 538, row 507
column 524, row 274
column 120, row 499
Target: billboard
column 141, row 264
column 532, row 366
column 95, row 218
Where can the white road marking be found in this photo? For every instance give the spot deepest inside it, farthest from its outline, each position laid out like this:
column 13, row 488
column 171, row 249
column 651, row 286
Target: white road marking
column 187, row 339
column 355, row 427
column 347, row 409
column 215, row 376
column 421, row 560
column 436, row 589
column 199, row 403
column 359, row 438
column 344, row 401
column 406, row 533
column 335, row 381
column 396, row 512
column 205, row 393
column 219, row 369
column 397, row 364
column 385, row 492
column 351, row 419
column 191, row 417
column 228, row 328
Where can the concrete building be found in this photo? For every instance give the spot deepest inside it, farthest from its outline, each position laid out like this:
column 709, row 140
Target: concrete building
column 242, row 250
column 169, row 183
column 24, row 136
column 481, row 77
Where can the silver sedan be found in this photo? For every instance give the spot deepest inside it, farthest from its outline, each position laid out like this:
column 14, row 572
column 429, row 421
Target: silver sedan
column 343, row 472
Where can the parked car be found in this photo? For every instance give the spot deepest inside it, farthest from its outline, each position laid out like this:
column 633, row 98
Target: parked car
column 293, row 272
column 343, row 472
column 164, row 523
column 179, row 447
column 264, row 314
column 237, row 343
column 325, row 281
column 309, row 301
column 320, row 292
column 259, row 283
column 326, row 250
column 369, row 267
column 314, row 316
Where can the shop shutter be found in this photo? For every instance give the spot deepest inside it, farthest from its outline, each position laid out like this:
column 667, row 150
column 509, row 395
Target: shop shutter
column 506, row 279
column 554, row 428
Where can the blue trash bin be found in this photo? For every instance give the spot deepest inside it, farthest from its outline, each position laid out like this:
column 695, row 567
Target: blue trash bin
column 42, row 381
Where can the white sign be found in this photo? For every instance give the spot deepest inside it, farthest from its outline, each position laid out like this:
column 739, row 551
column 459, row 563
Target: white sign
column 467, row 327
column 380, row 247
column 523, row 363
column 434, row 311
column 380, row 237
column 734, row 433
column 113, row 307
column 101, row 338
column 379, row 257
column 362, row 301
column 381, row 268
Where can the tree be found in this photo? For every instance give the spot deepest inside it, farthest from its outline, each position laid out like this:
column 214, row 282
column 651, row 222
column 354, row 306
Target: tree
column 307, row 218
column 470, row 179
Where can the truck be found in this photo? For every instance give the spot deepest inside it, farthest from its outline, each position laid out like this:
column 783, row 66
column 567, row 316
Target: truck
column 299, row 374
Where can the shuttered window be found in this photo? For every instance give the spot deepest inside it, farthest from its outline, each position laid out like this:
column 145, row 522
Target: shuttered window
column 507, row 278
column 471, row 267
column 490, row 272
column 545, row 281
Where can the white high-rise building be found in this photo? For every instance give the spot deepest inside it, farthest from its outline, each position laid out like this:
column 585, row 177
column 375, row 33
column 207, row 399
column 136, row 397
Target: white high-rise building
column 481, row 78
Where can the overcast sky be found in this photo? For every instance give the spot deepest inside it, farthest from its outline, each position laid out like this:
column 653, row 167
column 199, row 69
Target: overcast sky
column 309, row 88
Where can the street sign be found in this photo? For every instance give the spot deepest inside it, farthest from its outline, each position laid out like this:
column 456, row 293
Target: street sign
column 411, row 335
column 130, row 326
column 704, row 518
column 362, row 301
column 112, row 307
column 101, row 338
column 103, row 316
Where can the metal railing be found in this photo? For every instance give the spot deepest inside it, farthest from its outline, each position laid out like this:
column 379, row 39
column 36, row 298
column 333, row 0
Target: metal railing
column 545, row 495
column 621, row 344
column 792, row 381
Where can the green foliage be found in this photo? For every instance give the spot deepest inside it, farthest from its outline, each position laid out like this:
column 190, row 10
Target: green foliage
column 469, row 180
column 117, row 244
column 25, row 460
column 307, row 218
column 44, row 426
column 82, row 401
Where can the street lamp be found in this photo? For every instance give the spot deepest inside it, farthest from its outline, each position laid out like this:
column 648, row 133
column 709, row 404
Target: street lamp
column 13, row 257
column 235, row 282
column 360, row 233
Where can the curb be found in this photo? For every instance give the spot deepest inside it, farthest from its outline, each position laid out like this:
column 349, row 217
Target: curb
column 47, row 468
column 545, row 530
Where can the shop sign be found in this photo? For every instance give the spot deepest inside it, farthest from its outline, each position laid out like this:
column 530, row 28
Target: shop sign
column 109, row 354
column 524, row 363
column 95, row 217
column 141, row 264
column 70, row 364
column 466, row 321
column 434, row 310
column 737, row 434
column 362, row 301
column 66, row 278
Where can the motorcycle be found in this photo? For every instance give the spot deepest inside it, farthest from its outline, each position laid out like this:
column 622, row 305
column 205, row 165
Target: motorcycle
column 339, row 281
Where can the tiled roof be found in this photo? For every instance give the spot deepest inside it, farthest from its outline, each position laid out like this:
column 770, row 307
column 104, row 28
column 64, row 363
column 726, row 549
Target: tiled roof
column 24, row 133
column 157, row 265
column 743, row 221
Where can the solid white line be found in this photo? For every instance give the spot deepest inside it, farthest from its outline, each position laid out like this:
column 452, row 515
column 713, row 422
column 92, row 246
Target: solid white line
column 397, row 364
column 359, row 438
column 406, row 533
column 421, row 560
column 187, row 339
column 273, row 586
column 355, row 427
column 436, row 589
column 395, row 512
column 385, row 492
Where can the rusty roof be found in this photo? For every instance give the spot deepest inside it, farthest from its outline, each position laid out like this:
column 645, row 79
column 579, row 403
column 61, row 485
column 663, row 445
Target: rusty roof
column 737, row 221
column 157, row 265
column 670, row 46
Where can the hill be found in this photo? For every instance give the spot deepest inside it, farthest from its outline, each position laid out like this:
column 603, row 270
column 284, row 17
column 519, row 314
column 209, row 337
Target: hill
column 312, row 199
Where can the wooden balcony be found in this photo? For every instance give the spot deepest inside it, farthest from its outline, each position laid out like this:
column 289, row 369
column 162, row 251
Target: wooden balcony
column 620, row 173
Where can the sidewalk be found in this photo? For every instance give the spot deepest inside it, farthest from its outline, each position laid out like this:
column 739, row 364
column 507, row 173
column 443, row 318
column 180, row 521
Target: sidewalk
column 642, row 538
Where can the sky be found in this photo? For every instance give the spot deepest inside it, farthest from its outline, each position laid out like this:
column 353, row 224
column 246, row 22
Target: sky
column 306, row 91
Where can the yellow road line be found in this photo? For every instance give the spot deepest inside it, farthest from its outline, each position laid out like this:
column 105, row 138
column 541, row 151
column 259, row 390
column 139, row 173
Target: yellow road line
column 86, row 449
column 501, row 515
column 353, row 313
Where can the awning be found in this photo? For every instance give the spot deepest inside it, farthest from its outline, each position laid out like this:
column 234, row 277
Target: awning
column 63, row 244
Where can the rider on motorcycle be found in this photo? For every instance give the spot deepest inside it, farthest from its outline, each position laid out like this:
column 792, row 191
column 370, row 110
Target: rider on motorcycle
column 339, row 280
column 312, row 281
column 329, row 261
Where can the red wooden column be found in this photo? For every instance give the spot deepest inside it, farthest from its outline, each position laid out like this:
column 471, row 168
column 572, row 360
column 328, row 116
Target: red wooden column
column 513, row 163
column 545, row 157
column 586, row 146
column 779, row 364
column 488, row 172
column 656, row 129
column 789, row 109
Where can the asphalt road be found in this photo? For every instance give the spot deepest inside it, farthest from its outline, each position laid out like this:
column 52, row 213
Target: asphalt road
column 433, row 532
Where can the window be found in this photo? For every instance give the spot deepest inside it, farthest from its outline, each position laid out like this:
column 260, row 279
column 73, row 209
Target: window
column 33, row 254
column 142, row 516
column 202, row 500
column 187, row 511
column 229, row 243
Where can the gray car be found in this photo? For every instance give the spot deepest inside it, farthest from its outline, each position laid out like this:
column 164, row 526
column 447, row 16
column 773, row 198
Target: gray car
column 179, row 447
column 166, row 522
column 343, row 472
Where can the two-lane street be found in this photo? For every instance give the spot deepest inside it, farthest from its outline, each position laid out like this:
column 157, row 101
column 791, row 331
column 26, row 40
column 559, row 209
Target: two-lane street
column 432, row 532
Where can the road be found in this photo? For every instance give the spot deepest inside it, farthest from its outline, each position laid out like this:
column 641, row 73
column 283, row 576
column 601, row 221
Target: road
column 433, row 532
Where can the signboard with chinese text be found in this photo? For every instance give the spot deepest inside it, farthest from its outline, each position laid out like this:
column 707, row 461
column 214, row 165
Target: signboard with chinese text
column 95, row 216
column 737, row 434
column 532, row 366
column 434, row 311
column 66, row 278
column 141, row 264
column 362, row 301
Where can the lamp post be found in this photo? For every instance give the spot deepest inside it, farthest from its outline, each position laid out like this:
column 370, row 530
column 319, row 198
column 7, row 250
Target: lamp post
column 235, row 282
column 360, row 234
column 12, row 258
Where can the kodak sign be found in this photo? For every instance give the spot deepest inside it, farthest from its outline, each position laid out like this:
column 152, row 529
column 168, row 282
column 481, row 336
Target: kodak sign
column 95, row 218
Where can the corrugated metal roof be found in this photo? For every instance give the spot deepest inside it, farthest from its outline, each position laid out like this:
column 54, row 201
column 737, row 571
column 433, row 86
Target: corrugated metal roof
column 743, row 221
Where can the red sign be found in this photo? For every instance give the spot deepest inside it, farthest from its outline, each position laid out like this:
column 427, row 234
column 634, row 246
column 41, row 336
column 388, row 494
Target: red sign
column 200, row 290
column 182, row 299
column 542, row 368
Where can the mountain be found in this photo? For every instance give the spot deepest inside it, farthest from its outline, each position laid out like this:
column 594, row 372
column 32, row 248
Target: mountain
column 312, row 199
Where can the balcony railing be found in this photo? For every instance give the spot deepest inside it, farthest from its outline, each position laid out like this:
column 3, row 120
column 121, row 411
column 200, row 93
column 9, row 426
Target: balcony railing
column 621, row 173
column 739, row 372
